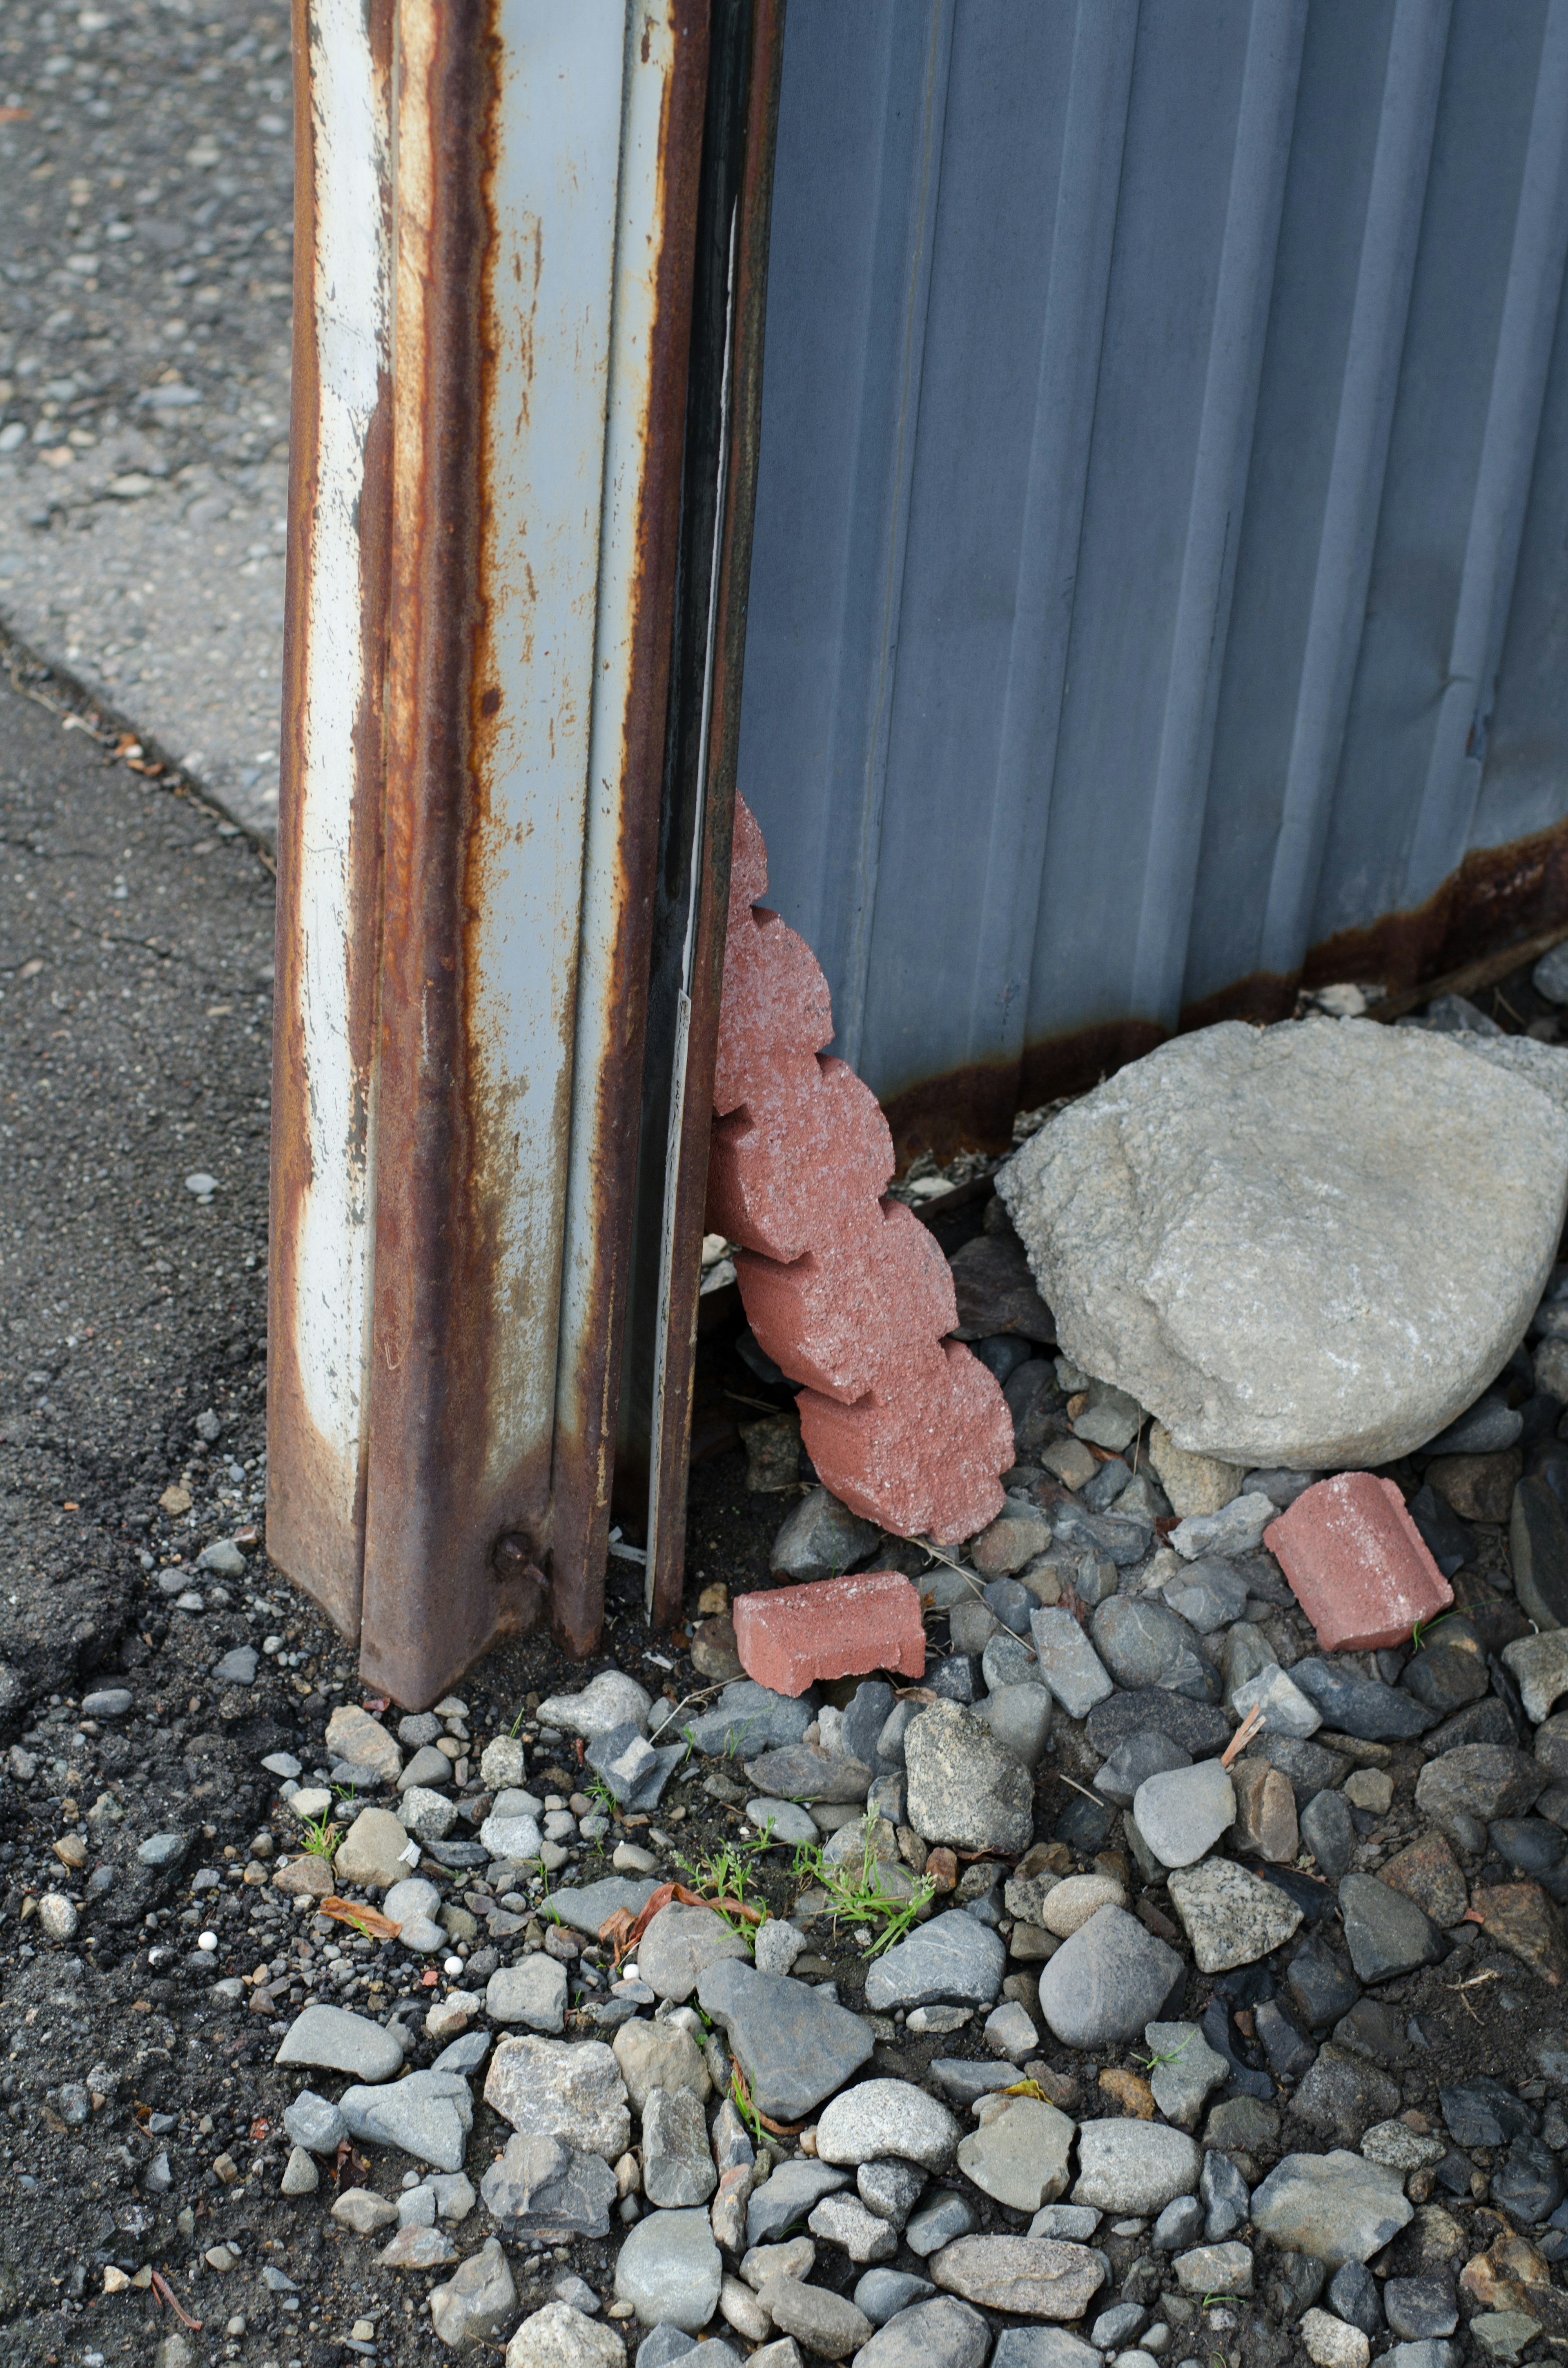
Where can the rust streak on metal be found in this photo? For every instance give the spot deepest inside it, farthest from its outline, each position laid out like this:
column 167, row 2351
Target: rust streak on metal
column 314, row 1515
column 432, row 1598
column 1482, row 923
column 587, row 1407
column 755, row 196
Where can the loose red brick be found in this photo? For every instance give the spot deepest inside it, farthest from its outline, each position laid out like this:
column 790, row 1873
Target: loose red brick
column 841, row 1318
column 789, row 1637
column 1357, row 1562
column 748, row 862
column 800, row 1164
column 924, row 1458
column 775, row 1000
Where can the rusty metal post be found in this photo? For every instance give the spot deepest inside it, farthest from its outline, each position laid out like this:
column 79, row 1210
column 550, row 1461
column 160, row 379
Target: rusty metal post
column 692, row 885
column 464, row 969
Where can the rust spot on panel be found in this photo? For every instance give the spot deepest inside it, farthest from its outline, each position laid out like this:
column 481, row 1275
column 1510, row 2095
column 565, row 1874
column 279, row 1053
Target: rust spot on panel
column 1499, row 898
column 587, row 1408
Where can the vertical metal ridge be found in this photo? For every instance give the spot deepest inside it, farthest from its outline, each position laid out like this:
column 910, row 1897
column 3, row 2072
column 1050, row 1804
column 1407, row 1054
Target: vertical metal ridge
column 1082, row 243
column 1530, row 305
column 323, row 1144
column 873, row 730
column 1270, row 74
column 1412, row 81
column 666, row 68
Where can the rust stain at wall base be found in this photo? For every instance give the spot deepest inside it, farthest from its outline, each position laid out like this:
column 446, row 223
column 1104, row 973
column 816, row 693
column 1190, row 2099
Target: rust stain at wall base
column 1499, row 897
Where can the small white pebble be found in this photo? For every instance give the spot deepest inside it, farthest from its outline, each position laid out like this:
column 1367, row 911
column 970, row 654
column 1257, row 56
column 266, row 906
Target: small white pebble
column 630, row 1973
column 454, row 1965
column 272, row 1644
column 207, row 1941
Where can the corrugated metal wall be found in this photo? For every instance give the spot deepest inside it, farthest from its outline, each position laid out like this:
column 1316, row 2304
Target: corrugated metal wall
column 1161, row 558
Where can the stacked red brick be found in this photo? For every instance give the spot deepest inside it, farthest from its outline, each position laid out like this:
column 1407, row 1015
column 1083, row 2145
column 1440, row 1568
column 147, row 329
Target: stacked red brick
column 846, row 1291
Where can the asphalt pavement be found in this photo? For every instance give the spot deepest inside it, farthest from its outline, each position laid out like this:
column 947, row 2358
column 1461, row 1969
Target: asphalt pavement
column 145, row 260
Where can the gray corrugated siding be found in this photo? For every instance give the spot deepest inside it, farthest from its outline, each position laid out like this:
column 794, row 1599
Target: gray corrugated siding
column 1161, row 533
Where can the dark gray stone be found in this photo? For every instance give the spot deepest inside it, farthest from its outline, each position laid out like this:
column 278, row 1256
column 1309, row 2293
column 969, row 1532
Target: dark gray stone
column 883, row 2292
column 1120, row 1542
column 748, row 1719
column 662, row 2346
column 1359, row 1706
column 1320, row 1985
column 794, row 2045
column 1538, row 1553
column 1480, row 1780
column 943, row 2333
column 1012, row 1603
column 1144, row 1643
column 1329, row 1833
column 801, row 1771
column 635, row 1772
column 1527, row 1845
column 1222, row 2192
column 954, row 1958
column 1385, row 1933
column 783, row 2202
column 1042, row 2347
column 1529, row 2186
column 1200, row 1727
column 864, row 1720
column 1353, row 2295
column 1445, row 1536
column 1342, row 2094
column 1141, row 1756
column 1311, row 1767
column 1484, row 1428
column 1484, row 2112
column 1178, row 2225
column 965, row 2078
column 1288, row 2054
column 1446, row 1678
column 1417, row 2308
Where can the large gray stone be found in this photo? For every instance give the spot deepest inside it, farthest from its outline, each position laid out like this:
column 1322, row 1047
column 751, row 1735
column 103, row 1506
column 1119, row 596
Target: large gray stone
column 1182, row 1813
column 1133, row 2166
column 532, row 1991
column 784, row 2200
column 1231, row 1917
column 1069, row 1666
column 794, row 2046
column 1018, row 2155
column 659, row 2055
column 887, row 2117
column 678, row 2162
column 560, row 2336
column 670, row 2270
column 953, row 1959
column 680, row 1943
column 610, row 1701
column 427, row 2115
column 964, row 1788
column 945, row 2333
column 586, row 1909
column 568, row 2089
column 1143, row 1643
column 1311, row 1244
column 341, row 2042
column 748, row 1719
column 1108, row 1980
column 541, row 2188
column 1335, row 2207
column 1036, row 2277
column 477, row 2300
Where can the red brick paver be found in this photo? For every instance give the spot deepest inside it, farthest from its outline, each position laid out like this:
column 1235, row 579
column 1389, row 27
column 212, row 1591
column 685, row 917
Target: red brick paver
column 787, row 1637
column 1357, row 1562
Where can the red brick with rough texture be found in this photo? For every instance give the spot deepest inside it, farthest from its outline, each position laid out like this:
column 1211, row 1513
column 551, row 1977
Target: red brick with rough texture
column 924, row 1459
column 847, row 1296
column 839, row 1319
column 787, row 1637
column 1357, row 1562
column 775, row 1000
column 748, row 862
column 802, row 1164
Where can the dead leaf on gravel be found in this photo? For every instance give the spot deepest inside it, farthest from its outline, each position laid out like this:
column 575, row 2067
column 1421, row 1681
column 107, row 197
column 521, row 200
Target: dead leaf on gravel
column 375, row 1926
